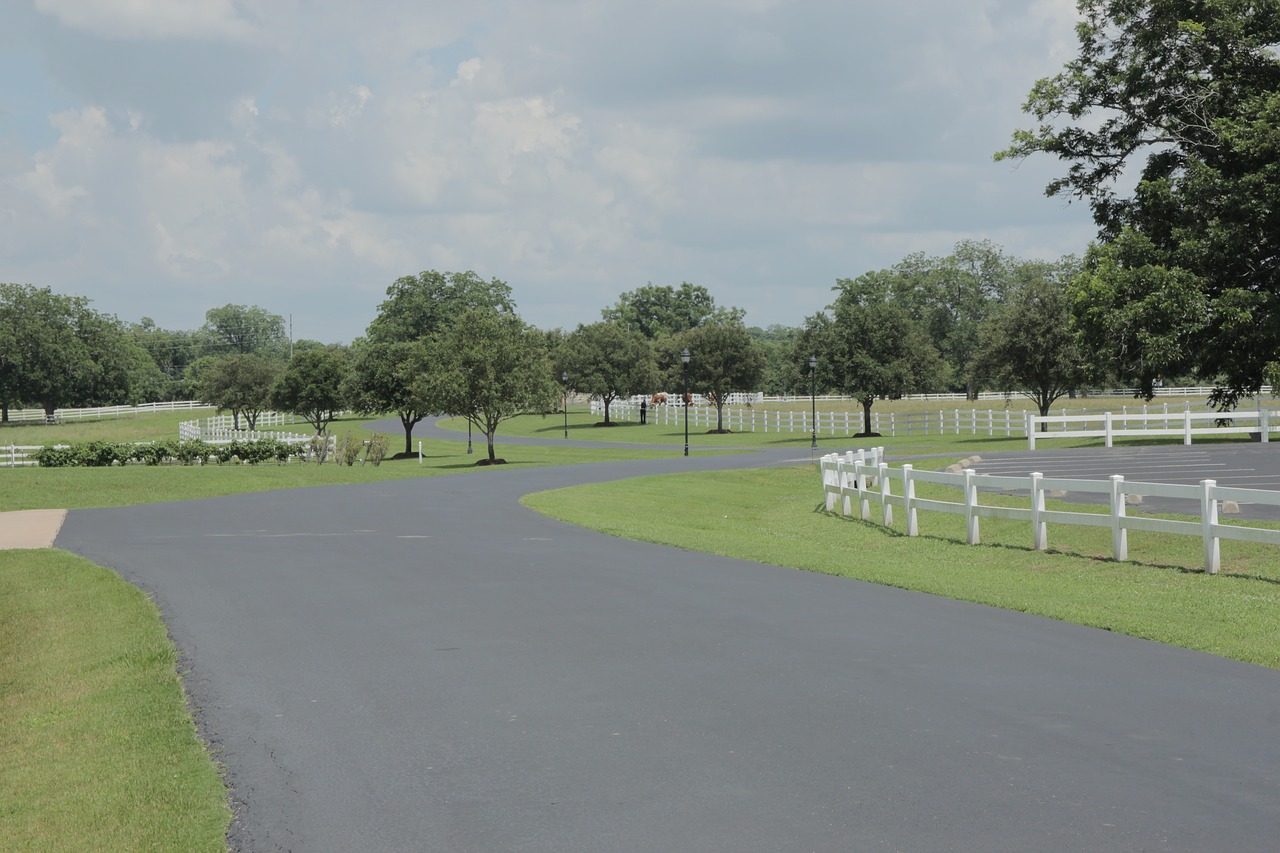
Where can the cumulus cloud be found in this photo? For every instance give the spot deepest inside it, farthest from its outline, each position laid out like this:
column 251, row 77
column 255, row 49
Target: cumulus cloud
column 302, row 158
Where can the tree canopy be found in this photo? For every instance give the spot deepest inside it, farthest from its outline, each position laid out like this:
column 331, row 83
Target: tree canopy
column 657, row 311
column 869, row 348
column 57, row 351
column 420, row 307
column 245, row 328
column 391, row 376
column 312, row 386
column 1030, row 345
column 1184, row 95
column 488, row 368
column 608, row 361
column 241, row 384
column 724, row 358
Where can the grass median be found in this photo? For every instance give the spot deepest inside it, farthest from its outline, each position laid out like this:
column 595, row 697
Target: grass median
column 776, row 516
column 99, row 749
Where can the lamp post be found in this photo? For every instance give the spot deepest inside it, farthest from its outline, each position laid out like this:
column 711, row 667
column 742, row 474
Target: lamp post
column 813, row 396
column 468, row 434
column 684, row 372
column 564, row 380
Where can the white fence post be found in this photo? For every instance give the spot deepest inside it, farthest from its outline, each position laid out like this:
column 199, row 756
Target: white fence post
column 860, row 482
column 886, row 508
column 909, row 500
column 1029, row 423
column 1208, row 519
column 1186, row 425
column 1106, row 419
column 1039, row 532
column 1119, row 535
column 970, row 501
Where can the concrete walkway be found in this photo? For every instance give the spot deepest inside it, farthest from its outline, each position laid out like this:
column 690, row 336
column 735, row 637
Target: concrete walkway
column 30, row 528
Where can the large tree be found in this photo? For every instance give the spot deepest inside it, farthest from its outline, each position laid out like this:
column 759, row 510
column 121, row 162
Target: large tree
column 723, row 358
column 490, row 367
column 608, row 361
column 390, row 376
column 313, row 385
column 869, row 348
column 57, row 351
column 241, row 384
column 420, row 307
column 1030, row 345
column 657, row 311
column 1184, row 97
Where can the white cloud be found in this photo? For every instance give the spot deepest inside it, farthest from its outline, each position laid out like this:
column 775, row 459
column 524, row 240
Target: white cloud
column 151, row 19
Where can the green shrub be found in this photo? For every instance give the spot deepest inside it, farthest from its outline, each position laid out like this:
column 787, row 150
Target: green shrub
column 56, row 457
column 377, row 449
column 192, row 451
column 349, row 449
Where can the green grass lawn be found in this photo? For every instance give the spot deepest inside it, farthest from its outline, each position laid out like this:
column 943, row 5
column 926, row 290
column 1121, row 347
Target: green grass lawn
column 99, row 750
column 776, row 516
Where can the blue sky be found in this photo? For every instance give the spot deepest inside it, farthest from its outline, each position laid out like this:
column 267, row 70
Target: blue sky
column 165, row 158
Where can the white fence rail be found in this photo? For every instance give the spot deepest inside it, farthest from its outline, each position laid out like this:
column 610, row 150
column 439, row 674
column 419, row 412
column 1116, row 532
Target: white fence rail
column 1107, row 425
column 864, row 476
column 19, row 415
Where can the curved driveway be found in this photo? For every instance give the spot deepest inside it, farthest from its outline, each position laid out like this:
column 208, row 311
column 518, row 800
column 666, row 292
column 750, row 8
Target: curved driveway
column 426, row 665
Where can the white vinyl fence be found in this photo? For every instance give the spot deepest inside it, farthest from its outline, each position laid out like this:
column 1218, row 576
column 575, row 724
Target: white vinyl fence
column 863, row 476
column 59, row 415
column 1130, row 425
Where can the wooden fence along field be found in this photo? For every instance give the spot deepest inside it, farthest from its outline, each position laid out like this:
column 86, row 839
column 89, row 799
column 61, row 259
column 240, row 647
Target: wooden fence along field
column 863, row 476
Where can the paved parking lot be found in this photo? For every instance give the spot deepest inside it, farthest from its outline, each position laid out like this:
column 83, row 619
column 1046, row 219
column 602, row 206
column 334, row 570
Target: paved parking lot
column 1247, row 466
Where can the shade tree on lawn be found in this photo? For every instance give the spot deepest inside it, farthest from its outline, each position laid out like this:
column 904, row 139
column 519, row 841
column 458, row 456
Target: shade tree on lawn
column 391, row 376
column 1031, row 345
column 868, row 348
column 723, row 358
column 488, row 366
column 241, row 384
column 312, row 386
column 607, row 361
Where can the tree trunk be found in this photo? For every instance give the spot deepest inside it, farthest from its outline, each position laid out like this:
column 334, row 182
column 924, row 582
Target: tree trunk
column 235, row 419
column 4, row 413
column 251, row 418
column 719, row 416
column 606, row 401
column 408, row 433
column 1044, row 412
column 493, row 457
column 866, row 413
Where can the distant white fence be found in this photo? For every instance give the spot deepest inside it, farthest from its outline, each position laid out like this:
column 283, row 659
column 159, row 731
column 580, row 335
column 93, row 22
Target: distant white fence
column 1185, row 424
column 864, row 476
column 224, row 426
column 17, row 415
column 992, row 422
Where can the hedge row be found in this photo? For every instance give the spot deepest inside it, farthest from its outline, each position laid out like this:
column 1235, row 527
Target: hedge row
column 99, row 454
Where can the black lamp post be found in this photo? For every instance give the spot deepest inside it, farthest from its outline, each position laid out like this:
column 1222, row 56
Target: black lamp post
column 813, row 396
column 468, row 435
column 564, row 379
column 684, row 372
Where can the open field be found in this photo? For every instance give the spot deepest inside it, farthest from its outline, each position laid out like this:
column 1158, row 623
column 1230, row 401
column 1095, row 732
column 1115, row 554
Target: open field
column 99, row 750
column 775, row 516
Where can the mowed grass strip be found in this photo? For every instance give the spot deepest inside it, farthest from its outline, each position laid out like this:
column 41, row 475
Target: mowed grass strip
column 98, row 748
column 777, row 516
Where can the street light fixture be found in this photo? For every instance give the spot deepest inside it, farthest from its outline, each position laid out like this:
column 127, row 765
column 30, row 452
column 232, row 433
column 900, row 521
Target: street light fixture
column 564, row 380
column 813, row 396
column 684, row 371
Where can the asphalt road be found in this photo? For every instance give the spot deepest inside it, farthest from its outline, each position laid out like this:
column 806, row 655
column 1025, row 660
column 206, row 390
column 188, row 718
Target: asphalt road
column 426, row 665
